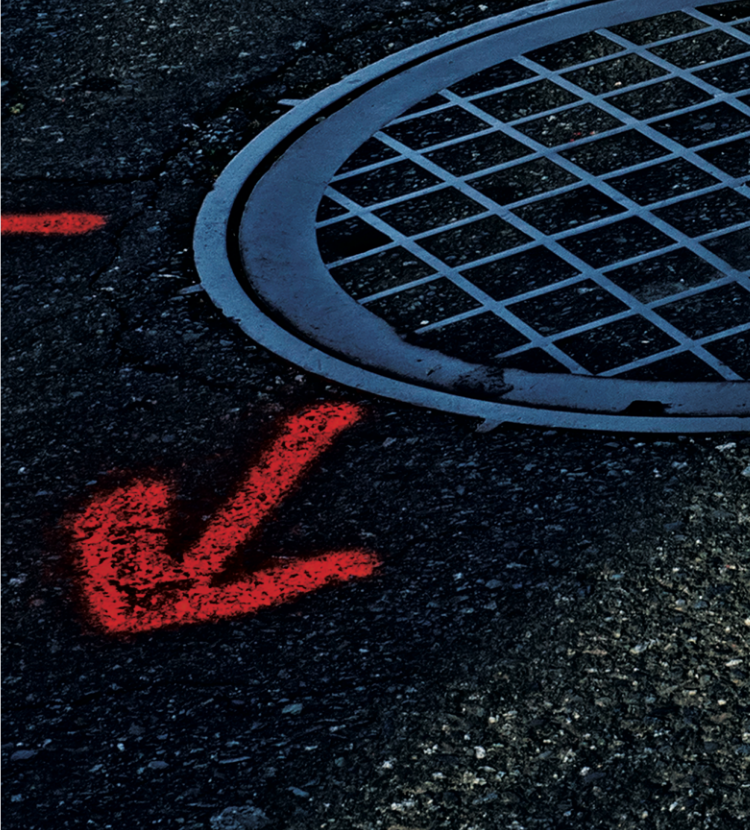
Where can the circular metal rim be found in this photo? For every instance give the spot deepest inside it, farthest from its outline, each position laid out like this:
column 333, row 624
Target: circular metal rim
column 216, row 255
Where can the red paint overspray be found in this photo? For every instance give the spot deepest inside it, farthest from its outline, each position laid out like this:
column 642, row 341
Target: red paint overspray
column 131, row 584
column 62, row 224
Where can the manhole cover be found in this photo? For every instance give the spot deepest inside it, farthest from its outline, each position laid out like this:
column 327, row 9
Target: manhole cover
column 542, row 218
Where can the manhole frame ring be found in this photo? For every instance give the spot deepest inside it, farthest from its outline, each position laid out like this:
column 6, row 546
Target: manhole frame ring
column 224, row 282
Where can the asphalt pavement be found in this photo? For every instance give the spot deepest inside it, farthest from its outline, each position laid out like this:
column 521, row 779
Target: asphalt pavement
column 557, row 633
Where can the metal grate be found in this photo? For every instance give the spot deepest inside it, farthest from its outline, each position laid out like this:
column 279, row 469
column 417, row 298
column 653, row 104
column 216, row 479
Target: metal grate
column 582, row 208
column 541, row 218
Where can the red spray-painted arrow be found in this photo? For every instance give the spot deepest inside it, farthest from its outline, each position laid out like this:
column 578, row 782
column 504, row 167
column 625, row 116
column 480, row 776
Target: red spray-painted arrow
column 131, row 584
column 62, row 224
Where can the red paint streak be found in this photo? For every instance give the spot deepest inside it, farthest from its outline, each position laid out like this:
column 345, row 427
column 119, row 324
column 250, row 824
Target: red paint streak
column 66, row 224
column 131, row 584
column 299, row 442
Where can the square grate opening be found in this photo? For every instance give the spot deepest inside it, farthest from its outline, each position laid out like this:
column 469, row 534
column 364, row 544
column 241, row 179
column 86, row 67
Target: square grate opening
column 661, row 182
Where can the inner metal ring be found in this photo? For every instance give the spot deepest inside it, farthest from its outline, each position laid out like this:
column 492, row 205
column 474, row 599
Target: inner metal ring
column 538, row 138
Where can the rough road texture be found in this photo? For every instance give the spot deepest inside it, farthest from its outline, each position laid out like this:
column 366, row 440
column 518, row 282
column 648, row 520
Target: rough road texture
column 559, row 637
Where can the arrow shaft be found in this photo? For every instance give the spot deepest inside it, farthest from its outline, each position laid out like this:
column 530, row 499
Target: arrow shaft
column 300, row 441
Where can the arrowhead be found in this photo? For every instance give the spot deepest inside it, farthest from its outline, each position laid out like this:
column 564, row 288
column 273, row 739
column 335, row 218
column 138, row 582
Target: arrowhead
column 131, row 584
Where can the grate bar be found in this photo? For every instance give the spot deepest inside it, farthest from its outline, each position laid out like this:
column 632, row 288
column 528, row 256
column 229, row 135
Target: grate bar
column 409, row 244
